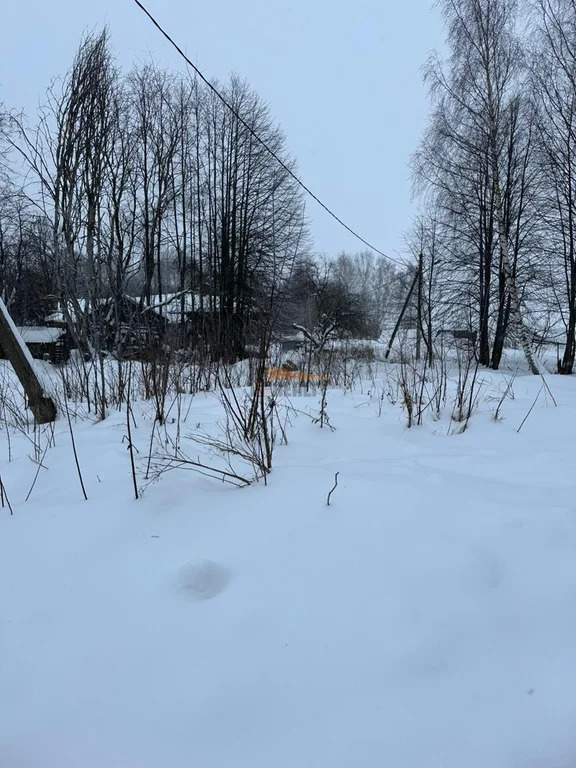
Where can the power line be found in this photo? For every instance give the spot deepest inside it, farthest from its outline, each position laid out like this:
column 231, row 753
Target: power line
column 261, row 141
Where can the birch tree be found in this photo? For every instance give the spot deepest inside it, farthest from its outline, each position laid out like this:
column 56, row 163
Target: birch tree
column 553, row 71
column 475, row 161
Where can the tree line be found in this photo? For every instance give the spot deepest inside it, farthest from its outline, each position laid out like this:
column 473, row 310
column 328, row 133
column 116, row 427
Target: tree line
column 146, row 184
column 496, row 173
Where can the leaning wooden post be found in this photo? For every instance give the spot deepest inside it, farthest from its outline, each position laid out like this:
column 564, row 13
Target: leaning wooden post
column 17, row 352
column 401, row 315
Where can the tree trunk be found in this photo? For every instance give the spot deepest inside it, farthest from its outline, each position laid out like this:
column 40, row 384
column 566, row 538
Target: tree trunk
column 566, row 365
column 419, row 332
column 515, row 310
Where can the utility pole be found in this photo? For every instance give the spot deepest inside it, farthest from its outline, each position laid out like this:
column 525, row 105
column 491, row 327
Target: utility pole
column 15, row 349
column 401, row 315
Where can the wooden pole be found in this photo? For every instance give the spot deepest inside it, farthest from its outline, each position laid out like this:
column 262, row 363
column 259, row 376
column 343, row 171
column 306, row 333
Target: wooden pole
column 401, row 315
column 17, row 352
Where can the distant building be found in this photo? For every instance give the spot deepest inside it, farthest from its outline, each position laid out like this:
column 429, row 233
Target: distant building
column 45, row 343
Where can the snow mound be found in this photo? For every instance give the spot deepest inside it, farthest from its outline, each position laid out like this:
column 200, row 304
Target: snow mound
column 203, row 579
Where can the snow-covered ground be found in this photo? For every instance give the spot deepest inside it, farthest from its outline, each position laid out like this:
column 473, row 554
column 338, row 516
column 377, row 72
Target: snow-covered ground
column 425, row 619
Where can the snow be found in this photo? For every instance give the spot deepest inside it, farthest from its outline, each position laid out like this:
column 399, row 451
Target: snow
column 37, row 334
column 425, row 618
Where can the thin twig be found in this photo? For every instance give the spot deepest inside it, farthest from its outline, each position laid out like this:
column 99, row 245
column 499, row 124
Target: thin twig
column 333, row 489
column 129, row 430
column 75, row 451
column 4, row 497
column 40, row 466
column 531, row 408
column 548, row 389
column 173, row 462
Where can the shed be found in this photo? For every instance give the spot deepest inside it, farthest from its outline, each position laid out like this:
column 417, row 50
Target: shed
column 46, row 343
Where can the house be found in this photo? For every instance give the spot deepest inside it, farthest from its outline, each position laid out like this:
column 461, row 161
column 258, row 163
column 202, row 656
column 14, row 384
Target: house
column 196, row 321
column 130, row 326
column 116, row 324
column 45, row 343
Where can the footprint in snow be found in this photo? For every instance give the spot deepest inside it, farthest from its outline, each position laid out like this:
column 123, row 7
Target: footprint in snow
column 203, row 579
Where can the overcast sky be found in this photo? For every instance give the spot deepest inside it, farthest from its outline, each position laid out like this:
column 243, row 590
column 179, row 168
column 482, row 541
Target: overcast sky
column 342, row 78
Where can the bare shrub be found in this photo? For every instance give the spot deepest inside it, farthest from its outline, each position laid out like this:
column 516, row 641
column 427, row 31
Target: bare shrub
column 467, row 390
column 506, row 393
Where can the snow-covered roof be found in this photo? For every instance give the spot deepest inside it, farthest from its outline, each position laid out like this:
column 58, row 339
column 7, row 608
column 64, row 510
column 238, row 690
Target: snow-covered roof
column 169, row 305
column 39, row 334
column 58, row 315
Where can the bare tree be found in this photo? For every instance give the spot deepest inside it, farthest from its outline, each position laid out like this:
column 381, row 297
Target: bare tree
column 553, row 73
column 475, row 162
